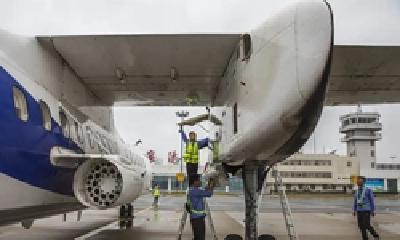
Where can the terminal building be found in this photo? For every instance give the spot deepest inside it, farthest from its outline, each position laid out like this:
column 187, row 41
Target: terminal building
column 300, row 172
column 362, row 131
column 317, row 173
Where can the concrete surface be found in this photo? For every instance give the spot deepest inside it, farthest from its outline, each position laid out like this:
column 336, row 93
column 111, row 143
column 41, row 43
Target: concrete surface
column 315, row 217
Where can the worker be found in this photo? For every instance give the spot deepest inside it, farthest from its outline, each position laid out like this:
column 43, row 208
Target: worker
column 191, row 155
column 156, row 194
column 196, row 205
column 364, row 207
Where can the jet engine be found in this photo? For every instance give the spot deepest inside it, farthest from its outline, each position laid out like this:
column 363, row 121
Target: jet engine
column 101, row 183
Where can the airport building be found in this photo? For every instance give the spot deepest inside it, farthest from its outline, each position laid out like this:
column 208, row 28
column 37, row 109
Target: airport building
column 317, row 173
column 301, row 172
column 362, row 130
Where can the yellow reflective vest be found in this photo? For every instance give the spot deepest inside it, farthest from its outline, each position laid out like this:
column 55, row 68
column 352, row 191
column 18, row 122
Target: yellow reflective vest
column 191, row 153
column 157, row 192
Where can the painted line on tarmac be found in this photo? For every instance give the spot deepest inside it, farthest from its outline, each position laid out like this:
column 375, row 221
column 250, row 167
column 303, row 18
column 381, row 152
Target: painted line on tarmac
column 108, row 226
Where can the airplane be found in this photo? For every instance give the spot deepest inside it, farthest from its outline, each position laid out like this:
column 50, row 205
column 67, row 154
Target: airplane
column 54, row 158
column 267, row 87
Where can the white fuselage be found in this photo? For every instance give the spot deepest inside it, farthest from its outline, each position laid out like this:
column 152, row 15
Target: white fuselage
column 30, row 181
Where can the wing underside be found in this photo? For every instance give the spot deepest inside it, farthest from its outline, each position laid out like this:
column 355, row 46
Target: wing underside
column 185, row 69
column 364, row 74
column 149, row 70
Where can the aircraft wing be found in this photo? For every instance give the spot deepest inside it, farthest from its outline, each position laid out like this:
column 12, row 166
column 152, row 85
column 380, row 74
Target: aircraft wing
column 364, row 74
column 62, row 157
column 179, row 69
column 185, row 69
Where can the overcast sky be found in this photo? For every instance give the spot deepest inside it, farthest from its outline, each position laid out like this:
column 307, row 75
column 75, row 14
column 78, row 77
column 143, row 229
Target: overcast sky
column 356, row 21
column 368, row 22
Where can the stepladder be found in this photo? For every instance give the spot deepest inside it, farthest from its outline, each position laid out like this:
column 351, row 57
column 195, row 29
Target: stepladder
column 183, row 221
column 287, row 213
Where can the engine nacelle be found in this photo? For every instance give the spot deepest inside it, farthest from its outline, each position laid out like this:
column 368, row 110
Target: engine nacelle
column 102, row 183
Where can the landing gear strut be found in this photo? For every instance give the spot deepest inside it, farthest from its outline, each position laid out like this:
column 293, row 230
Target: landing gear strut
column 250, row 187
column 126, row 216
column 253, row 179
column 126, row 211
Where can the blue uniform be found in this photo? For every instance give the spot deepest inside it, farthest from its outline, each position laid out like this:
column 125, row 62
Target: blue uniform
column 202, row 143
column 366, row 203
column 196, row 197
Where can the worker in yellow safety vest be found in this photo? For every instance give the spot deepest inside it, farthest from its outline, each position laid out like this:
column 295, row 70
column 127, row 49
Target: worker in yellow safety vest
column 191, row 155
column 156, row 194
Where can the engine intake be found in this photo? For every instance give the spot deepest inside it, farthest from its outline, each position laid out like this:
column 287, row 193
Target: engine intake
column 101, row 183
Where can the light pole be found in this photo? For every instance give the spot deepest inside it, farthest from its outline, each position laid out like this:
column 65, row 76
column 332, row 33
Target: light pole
column 182, row 114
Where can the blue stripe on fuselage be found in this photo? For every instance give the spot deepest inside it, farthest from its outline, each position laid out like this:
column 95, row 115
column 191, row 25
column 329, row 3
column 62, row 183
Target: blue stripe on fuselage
column 25, row 146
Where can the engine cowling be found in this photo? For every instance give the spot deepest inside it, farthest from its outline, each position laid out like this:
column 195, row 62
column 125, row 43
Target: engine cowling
column 101, row 183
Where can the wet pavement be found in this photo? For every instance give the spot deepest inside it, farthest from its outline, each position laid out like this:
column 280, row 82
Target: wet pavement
column 315, row 217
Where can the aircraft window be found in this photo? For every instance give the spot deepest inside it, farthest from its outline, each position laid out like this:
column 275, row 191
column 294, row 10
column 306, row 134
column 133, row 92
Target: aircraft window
column 235, row 119
column 64, row 124
column 246, row 47
column 46, row 115
column 103, row 141
column 20, row 104
column 76, row 130
column 97, row 139
column 80, row 134
column 90, row 137
column 112, row 146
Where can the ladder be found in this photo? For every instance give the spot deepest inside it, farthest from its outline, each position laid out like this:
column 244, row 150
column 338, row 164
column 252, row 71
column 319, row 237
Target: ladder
column 287, row 213
column 209, row 219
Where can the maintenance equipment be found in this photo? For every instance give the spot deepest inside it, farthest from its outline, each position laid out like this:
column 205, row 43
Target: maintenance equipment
column 287, row 213
column 209, row 219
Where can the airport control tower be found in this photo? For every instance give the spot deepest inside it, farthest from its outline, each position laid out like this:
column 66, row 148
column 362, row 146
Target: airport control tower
column 361, row 131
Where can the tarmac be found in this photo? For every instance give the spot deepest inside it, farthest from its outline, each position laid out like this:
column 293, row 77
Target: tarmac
column 315, row 217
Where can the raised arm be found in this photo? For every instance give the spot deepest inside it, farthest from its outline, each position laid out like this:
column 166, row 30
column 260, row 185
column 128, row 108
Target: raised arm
column 183, row 135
